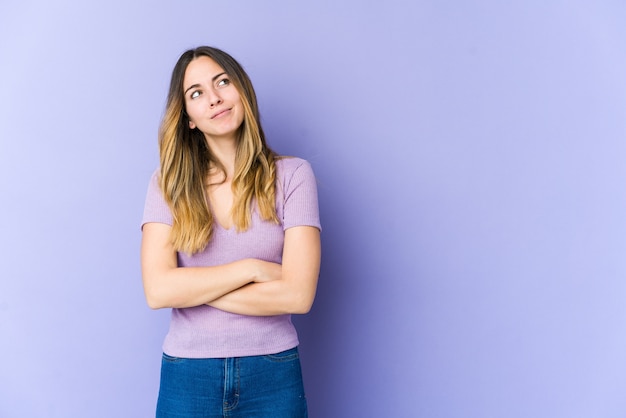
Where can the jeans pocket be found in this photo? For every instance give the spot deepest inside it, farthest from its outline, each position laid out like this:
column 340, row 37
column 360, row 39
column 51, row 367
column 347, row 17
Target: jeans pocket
column 283, row 356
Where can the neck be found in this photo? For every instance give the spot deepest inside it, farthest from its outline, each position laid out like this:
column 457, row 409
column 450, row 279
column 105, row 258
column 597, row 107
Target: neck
column 225, row 150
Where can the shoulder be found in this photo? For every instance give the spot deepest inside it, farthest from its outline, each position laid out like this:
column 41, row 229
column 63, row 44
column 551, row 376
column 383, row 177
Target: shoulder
column 286, row 163
column 156, row 209
column 154, row 185
column 287, row 166
column 155, row 177
column 296, row 193
column 294, row 173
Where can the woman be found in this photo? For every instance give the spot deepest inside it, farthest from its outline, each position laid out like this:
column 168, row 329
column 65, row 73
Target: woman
column 230, row 242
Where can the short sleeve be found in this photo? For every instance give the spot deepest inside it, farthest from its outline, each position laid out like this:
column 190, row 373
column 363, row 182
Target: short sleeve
column 156, row 209
column 300, row 205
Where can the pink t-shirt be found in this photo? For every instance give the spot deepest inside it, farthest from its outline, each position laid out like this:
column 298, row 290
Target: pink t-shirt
column 206, row 332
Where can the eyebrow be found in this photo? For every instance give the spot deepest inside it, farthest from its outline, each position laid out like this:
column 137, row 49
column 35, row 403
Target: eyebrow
column 198, row 85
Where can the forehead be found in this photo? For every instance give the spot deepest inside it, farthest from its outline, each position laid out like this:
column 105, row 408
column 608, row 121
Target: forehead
column 200, row 70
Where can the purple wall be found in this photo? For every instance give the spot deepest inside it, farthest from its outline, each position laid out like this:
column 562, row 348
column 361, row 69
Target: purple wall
column 471, row 164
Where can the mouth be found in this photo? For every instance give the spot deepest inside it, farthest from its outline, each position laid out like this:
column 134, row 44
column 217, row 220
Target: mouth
column 220, row 114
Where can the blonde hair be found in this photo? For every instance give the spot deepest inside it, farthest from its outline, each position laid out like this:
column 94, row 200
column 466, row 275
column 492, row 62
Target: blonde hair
column 185, row 160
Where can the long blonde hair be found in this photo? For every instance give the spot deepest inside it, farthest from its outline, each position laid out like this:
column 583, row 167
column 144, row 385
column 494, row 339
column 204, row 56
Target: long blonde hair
column 186, row 158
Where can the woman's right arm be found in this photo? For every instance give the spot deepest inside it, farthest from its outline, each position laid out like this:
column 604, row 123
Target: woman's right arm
column 168, row 286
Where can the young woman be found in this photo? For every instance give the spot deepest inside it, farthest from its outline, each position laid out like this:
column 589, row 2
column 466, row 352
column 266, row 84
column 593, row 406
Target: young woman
column 231, row 242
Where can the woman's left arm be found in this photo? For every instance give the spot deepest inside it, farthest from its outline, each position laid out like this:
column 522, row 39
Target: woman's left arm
column 294, row 292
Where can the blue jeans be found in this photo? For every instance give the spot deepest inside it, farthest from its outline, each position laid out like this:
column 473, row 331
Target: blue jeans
column 255, row 386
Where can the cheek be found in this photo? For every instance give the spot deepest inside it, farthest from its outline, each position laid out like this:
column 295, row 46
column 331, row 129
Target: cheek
column 192, row 110
column 240, row 107
column 239, row 116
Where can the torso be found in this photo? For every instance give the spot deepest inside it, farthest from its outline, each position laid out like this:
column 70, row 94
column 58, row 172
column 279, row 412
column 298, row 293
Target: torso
column 206, row 332
column 221, row 201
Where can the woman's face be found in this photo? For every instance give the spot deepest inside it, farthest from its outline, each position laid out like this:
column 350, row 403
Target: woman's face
column 211, row 100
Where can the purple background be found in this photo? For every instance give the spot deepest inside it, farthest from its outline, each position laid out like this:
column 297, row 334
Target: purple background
column 471, row 165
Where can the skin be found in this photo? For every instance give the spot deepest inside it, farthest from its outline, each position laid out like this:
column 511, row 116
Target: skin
column 247, row 286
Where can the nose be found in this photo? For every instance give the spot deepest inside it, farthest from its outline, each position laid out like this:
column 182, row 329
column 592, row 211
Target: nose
column 214, row 99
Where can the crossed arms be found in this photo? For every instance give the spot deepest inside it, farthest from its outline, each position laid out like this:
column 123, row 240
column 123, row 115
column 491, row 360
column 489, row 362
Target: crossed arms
column 248, row 287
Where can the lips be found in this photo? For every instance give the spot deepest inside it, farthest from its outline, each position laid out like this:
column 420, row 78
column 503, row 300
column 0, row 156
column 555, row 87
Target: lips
column 220, row 114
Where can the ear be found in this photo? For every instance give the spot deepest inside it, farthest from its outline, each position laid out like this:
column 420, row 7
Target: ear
column 192, row 125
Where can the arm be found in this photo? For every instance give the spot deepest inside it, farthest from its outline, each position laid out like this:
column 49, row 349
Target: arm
column 293, row 292
column 168, row 286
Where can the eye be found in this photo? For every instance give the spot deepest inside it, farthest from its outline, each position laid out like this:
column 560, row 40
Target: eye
column 223, row 82
column 195, row 94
